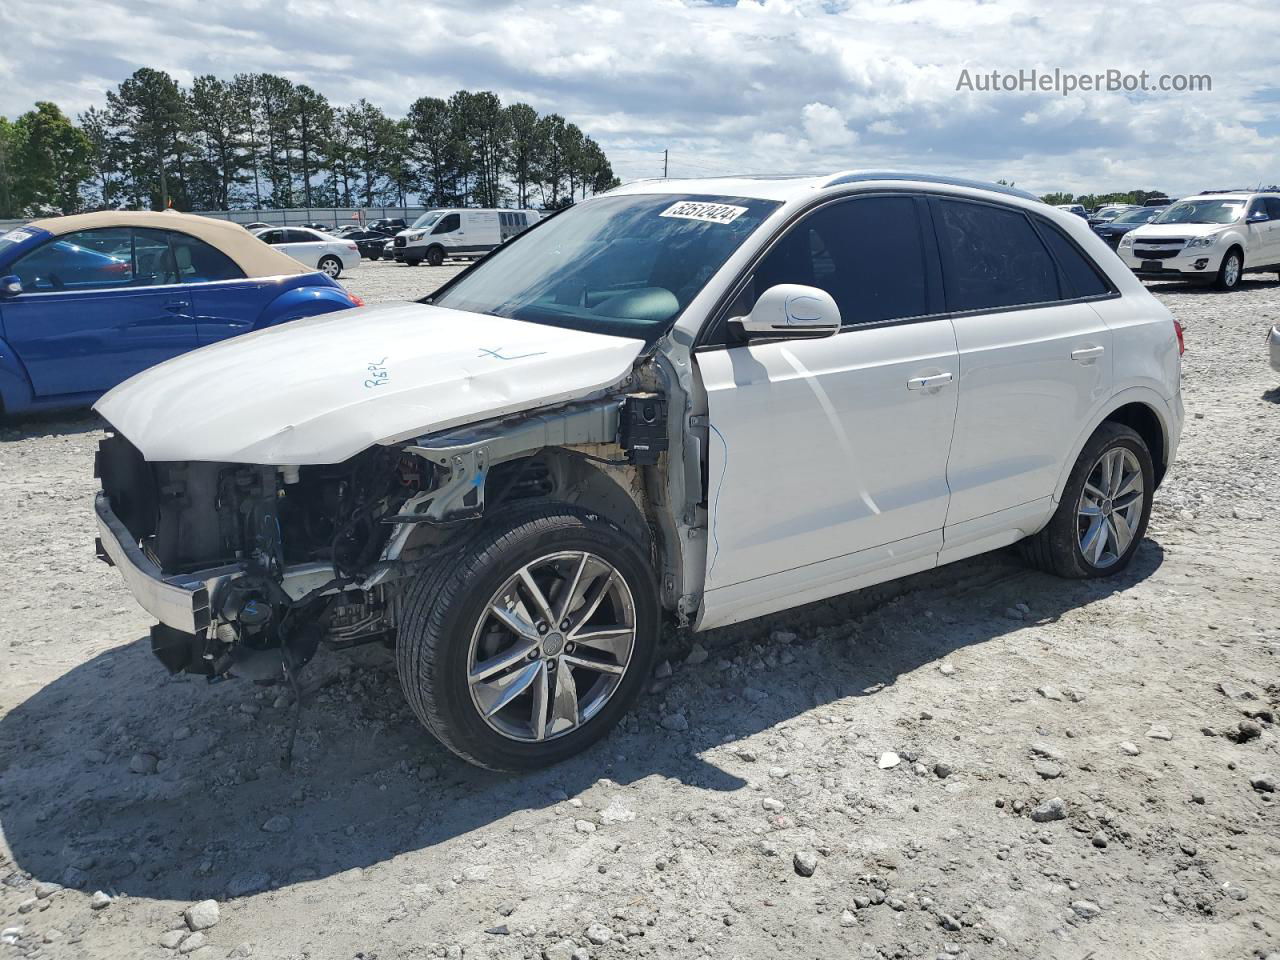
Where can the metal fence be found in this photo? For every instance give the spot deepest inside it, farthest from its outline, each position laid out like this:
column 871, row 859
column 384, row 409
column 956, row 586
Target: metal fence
column 331, row 217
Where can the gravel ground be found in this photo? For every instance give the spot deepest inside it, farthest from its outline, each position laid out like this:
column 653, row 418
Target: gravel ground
column 980, row 762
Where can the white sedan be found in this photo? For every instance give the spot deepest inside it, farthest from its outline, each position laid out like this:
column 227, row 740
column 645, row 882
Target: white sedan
column 327, row 254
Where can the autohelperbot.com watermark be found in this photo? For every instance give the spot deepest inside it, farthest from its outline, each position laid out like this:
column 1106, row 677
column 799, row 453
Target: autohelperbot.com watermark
column 1066, row 82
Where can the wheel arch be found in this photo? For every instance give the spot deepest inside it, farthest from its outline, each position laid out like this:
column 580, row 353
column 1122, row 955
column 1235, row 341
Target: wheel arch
column 16, row 392
column 1141, row 409
column 301, row 302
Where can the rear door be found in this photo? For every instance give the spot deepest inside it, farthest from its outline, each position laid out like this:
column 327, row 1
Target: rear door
column 1034, row 356
column 1271, row 206
column 827, row 458
column 97, row 307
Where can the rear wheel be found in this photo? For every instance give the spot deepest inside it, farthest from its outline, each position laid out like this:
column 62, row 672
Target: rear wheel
column 530, row 644
column 435, row 257
column 331, row 267
column 1104, row 509
column 1229, row 273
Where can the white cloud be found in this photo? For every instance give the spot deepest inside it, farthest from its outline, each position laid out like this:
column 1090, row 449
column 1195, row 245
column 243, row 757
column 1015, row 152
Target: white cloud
column 824, row 127
column 765, row 86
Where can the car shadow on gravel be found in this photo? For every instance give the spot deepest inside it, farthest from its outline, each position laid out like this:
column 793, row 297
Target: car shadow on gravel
column 117, row 777
column 59, row 424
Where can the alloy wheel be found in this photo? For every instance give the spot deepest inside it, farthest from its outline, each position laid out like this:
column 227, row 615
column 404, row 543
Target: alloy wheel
column 551, row 646
column 1231, row 272
column 1110, row 507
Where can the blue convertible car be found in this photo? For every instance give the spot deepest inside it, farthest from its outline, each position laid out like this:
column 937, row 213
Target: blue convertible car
column 87, row 301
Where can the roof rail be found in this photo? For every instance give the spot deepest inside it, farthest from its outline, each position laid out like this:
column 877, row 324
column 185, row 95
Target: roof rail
column 1240, row 190
column 857, row 176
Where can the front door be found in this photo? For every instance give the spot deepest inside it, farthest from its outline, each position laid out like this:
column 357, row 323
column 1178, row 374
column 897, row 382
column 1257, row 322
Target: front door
column 97, row 307
column 827, row 458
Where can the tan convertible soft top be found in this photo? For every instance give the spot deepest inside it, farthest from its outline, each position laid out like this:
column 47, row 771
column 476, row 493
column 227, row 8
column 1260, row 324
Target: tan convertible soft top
column 254, row 257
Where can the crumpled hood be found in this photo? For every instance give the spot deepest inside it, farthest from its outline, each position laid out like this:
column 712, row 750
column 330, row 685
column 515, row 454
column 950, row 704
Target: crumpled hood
column 321, row 389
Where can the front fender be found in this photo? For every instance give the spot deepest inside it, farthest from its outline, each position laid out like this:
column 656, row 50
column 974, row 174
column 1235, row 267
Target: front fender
column 304, row 302
column 15, row 386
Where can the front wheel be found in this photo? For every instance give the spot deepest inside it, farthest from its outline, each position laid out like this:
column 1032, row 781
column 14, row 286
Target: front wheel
column 412, row 263
column 435, row 257
column 1104, row 509
column 531, row 643
column 1229, row 273
column 331, row 267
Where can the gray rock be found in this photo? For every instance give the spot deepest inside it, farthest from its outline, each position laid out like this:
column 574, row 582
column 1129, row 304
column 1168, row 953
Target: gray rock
column 44, row 889
column 1158, row 732
column 1131, row 749
column 754, row 695
column 52, row 935
column 942, row 770
column 663, row 670
column 1248, row 730
column 1049, row 692
column 143, row 763
column 584, row 826
column 27, row 905
column 947, row 669
column 1047, row 752
column 202, row 915
column 99, row 900
column 888, row 760
column 563, row 950
column 1085, row 909
column 599, row 934
column 171, row 938
column 278, row 824
column 193, row 943
column 697, row 655
column 242, row 950
column 1263, row 784
column 772, row 805
column 805, row 862
column 1054, row 809
column 1233, row 691
column 676, row 722
column 745, row 754
column 1047, row 770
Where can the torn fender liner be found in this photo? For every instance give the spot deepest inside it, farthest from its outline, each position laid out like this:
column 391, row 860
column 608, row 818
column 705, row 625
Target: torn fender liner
column 321, row 389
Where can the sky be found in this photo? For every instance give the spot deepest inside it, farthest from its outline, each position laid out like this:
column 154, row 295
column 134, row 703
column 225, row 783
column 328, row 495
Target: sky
column 736, row 86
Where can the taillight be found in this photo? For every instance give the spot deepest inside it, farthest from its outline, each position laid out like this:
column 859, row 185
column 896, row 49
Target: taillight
column 352, row 246
column 1182, row 344
column 357, row 302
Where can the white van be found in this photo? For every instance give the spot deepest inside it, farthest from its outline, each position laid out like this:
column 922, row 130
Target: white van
column 459, row 233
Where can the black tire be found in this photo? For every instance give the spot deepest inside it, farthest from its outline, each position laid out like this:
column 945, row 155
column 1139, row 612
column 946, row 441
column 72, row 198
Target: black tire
column 330, row 266
column 1056, row 549
column 443, row 608
column 435, row 257
column 375, row 256
column 412, row 263
column 1228, row 279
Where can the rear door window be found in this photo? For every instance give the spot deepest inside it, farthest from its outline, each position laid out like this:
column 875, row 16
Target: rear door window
column 992, row 257
column 1082, row 278
column 1273, row 207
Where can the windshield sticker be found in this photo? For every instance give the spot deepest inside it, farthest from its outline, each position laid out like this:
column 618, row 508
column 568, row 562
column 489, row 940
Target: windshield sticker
column 18, row 235
column 706, row 212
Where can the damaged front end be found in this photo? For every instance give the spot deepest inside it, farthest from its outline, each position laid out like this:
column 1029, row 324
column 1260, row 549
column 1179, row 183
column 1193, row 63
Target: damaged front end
column 250, row 569
column 247, row 567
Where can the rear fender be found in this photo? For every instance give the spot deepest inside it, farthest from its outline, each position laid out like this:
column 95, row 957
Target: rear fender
column 304, row 302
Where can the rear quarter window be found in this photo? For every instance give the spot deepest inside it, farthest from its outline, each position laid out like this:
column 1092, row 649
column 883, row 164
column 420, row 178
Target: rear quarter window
column 1081, row 276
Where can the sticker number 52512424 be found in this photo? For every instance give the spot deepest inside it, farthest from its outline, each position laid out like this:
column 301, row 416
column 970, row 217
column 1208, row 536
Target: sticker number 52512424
column 706, row 212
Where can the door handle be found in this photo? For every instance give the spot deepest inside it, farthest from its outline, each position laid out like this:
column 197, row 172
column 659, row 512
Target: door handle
column 1086, row 354
column 177, row 306
column 924, row 383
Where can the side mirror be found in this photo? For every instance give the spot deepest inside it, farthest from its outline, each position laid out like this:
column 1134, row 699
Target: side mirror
column 10, row 286
column 1258, row 217
column 791, row 311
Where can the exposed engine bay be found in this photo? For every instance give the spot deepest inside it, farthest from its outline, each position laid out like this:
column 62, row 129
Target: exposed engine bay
column 296, row 557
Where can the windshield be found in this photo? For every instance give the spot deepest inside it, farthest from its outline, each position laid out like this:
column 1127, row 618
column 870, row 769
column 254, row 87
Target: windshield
column 427, row 219
column 624, row 265
column 1203, row 211
column 1137, row 216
